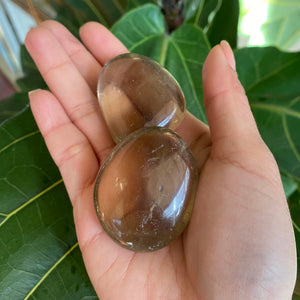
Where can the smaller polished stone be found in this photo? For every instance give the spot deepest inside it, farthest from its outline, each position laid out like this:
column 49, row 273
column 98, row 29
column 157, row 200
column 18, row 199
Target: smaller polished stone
column 145, row 190
column 134, row 92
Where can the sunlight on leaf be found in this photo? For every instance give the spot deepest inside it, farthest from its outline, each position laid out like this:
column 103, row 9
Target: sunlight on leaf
column 273, row 22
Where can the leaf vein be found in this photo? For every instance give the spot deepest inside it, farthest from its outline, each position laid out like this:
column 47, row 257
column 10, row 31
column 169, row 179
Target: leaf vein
column 194, row 62
column 180, row 41
column 8, row 133
column 280, row 30
column 296, row 226
column 267, row 76
column 19, row 140
column 153, row 27
column 291, row 38
column 188, row 75
column 289, row 138
column 96, row 11
column 15, row 187
column 143, row 41
column 124, row 38
column 50, row 270
column 119, row 6
column 136, row 29
column 277, row 109
column 30, row 201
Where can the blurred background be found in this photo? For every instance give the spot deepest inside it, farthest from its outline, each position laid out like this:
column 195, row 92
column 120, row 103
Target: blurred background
column 261, row 23
column 16, row 18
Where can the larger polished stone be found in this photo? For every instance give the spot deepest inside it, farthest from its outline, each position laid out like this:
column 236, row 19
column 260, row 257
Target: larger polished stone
column 134, row 92
column 144, row 193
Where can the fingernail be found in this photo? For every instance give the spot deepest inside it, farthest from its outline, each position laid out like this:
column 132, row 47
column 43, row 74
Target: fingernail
column 30, row 93
column 228, row 54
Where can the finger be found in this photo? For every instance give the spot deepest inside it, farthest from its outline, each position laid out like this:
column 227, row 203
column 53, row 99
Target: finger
column 67, row 145
column 227, row 108
column 196, row 134
column 69, row 87
column 95, row 36
column 86, row 64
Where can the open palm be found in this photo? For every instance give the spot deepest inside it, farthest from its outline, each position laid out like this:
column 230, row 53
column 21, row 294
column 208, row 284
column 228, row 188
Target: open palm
column 239, row 243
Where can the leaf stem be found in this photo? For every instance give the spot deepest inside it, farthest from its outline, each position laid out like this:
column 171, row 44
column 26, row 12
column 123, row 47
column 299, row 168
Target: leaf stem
column 199, row 11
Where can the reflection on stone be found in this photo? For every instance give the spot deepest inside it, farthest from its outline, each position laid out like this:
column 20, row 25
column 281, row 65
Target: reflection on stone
column 134, row 92
column 145, row 190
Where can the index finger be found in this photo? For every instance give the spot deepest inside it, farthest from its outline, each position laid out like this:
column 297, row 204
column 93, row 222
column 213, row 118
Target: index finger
column 69, row 86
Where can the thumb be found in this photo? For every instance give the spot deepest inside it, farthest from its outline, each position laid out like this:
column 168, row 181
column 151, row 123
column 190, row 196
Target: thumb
column 227, row 108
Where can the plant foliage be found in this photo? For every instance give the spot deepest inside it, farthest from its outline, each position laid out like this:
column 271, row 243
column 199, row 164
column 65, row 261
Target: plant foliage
column 39, row 254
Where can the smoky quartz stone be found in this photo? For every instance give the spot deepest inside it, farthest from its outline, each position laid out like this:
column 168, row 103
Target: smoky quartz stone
column 134, row 92
column 145, row 190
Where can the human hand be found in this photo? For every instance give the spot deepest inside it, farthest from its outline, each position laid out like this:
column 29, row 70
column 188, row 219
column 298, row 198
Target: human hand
column 239, row 243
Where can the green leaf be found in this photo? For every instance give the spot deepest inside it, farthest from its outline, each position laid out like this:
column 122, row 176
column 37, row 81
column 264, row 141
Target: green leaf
column 136, row 3
column 201, row 12
column 104, row 11
column 10, row 106
column 73, row 13
column 271, row 80
column 182, row 53
column 39, row 255
column 281, row 27
column 192, row 10
column 224, row 25
column 268, row 72
column 294, row 205
column 289, row 185
column 140, row 27
column 184, row 58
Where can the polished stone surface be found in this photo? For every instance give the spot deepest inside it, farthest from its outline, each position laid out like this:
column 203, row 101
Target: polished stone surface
column 145, row 190
column 134, row 92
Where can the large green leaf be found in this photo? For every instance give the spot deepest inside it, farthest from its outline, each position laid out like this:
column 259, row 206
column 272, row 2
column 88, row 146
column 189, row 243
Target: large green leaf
column 183, row 52
column 201, row 12
column 192, row 10
column 271, row 79
column 225, row 23
column 210, row 15
column 74, row 13
column 268, row 72
column 290, row 186
column 10, row 106
column 39, row 255
column 136, row 3
column 282, row 24
column 294, row 205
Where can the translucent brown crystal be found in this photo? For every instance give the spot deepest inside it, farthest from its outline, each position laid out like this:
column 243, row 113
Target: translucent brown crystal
column 134, row 92
column 145, row 190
